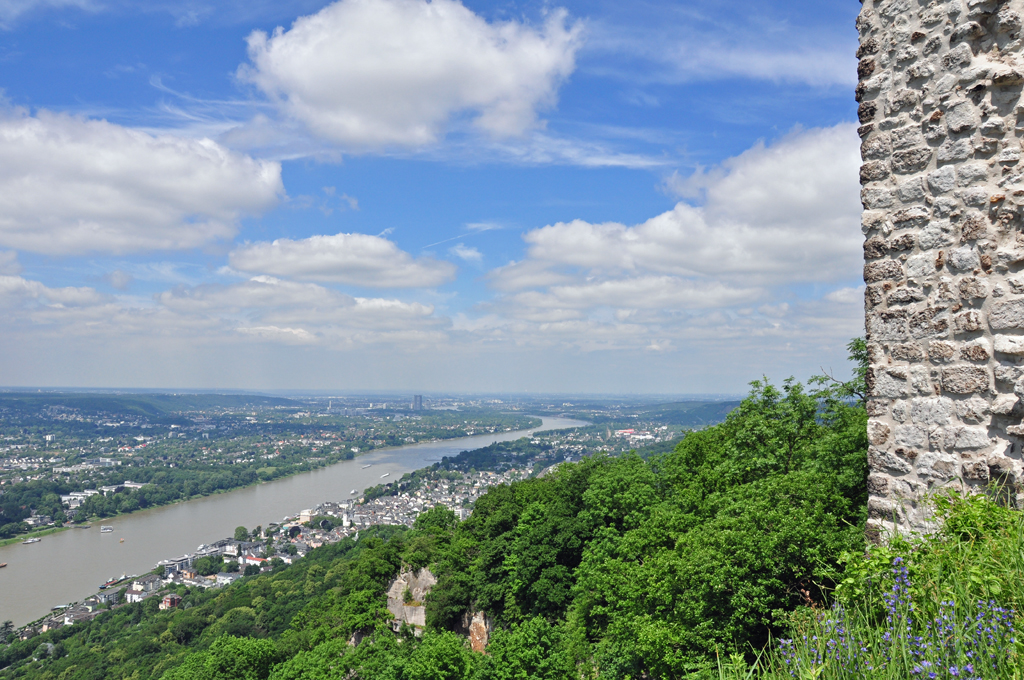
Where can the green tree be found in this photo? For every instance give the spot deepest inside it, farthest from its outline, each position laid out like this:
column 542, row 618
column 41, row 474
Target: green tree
column 241, row 534
column 440, row 656
column 6, row 631
column 229, row 658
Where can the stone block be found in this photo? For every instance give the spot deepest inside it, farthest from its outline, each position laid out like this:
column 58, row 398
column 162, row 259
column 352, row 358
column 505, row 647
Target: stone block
column 967, row 438
column 940, row 351
column 880, row 460
column 888, row 386
column 911, row 160
column 943, row 180
column 1006, row 315
column 932, row 411
column 906, row 352
column 910, row 436
column 964, row 258
column 878, row 432
column 886, row 270
column 965, row 379
column 873, row 171
column 1009, row 344
column 976, row 350
column 936, row 466
column 975, row 470
column 973, row 410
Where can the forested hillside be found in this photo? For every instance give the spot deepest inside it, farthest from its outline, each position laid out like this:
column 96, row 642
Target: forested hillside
column 613, row 567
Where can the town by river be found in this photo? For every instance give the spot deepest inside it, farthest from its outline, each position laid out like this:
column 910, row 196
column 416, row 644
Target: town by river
column 70, row 565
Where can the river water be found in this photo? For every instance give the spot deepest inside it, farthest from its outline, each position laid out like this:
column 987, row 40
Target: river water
column 69, row 566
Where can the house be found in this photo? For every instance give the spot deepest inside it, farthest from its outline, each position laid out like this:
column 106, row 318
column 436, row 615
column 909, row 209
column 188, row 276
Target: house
column 252, row 559
column 236, row 548
column 226, row 578
column 38, row 520
column 175, row 565
column 170, row 601
column 134, row 595
column 147, row 583
column 108, row 596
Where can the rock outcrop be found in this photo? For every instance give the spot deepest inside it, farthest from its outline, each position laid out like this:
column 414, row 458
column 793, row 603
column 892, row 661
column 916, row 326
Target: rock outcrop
column 410, row 608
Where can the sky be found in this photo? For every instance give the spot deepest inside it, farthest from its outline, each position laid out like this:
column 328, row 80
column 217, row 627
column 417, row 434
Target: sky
column 487, row 196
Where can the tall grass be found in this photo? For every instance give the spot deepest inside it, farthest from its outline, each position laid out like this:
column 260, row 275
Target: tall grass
column 944, row 606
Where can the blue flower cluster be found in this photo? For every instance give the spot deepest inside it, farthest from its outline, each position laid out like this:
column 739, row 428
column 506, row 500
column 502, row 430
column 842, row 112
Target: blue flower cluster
column 953, row 644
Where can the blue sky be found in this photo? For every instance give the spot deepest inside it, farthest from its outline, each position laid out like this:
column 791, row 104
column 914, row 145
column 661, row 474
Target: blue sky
column 400, row 195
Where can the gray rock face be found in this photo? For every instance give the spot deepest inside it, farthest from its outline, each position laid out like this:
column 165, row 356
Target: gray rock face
column 409, row 607
column 942, row 125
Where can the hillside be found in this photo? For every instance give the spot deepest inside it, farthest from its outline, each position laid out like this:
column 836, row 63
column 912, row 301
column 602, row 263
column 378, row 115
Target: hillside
column 621, row 565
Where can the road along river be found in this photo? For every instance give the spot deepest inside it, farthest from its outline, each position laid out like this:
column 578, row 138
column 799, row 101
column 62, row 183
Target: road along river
column 70, row 565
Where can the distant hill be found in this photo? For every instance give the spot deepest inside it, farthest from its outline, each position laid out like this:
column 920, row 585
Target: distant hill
column 692, row 413
column 137, row 404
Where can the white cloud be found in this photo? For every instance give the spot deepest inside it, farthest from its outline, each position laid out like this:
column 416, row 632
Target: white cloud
column 647, row 292
column 847, row 296
column 467, row 253
column 808, row 65
column 9, row 262
column 16, row 291
column 371, row 73
column 356, row 259
column 71, row 185
column 682, row 42
column 773, row 215
column 10, row 10
column 119, row 279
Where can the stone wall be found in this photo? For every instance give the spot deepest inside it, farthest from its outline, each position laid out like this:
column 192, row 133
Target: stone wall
column 943, row 191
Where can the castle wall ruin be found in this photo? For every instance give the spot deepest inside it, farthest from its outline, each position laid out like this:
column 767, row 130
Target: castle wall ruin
column 942, row 120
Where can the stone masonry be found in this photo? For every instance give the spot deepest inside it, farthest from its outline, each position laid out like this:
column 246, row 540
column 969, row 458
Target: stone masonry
column 942, row 121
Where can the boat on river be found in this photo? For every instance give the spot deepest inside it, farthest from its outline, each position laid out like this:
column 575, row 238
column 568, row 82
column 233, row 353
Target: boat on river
column 2, row 565
column 366, row 466
column 385, row 475
column 31, row 541
column 106, row 530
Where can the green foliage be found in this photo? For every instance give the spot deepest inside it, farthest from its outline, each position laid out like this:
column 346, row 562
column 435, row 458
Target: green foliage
column 229, row 658
column 206, row 566
column 241, row 534
column 945, row 603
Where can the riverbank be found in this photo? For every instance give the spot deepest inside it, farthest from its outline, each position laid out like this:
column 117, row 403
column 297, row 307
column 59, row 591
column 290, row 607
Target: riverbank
column 149, row 497
column 67, row 566
column 21, row 538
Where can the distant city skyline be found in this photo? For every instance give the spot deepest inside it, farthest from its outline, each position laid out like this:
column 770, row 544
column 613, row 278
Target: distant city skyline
column 576, row 197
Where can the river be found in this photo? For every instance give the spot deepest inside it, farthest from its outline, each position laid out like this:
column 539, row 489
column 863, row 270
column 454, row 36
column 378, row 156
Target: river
column 69, row 565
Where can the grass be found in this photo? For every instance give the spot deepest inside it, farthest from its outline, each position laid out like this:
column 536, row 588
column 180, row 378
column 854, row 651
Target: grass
column 939, row 607
column 32, row 534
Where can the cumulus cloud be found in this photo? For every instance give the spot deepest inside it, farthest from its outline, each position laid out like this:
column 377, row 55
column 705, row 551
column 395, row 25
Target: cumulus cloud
column 773, row 217
column 71, row 185
column 775, row 214
column 356, row 259
column 371, row 73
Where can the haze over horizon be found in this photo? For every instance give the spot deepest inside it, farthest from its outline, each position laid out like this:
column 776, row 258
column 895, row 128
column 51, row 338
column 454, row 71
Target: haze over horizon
column 395, row 195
